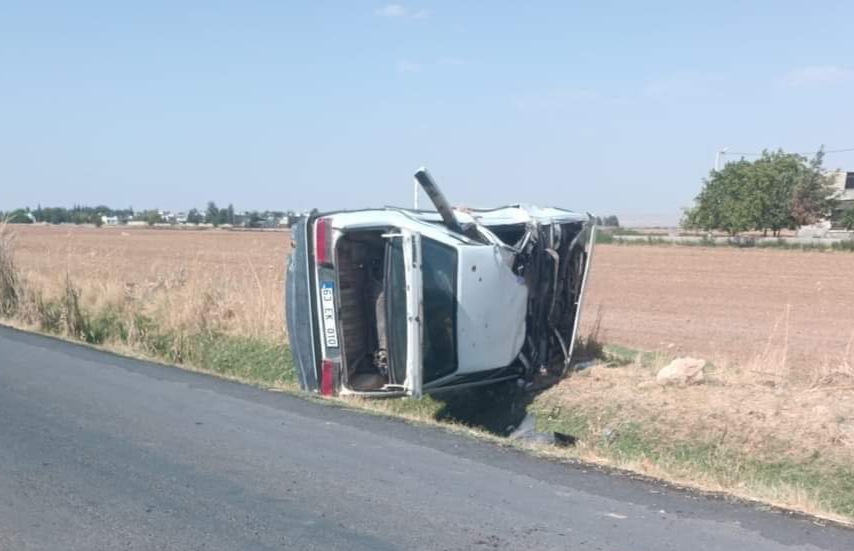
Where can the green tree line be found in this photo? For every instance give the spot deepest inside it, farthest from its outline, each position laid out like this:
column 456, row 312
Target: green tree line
column 81, row 214
column 78, row 214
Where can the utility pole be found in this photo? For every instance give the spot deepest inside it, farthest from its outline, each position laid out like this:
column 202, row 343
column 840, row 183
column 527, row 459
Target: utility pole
column 718, row 156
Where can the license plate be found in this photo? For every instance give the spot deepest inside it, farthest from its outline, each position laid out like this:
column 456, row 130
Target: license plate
column 327, row 302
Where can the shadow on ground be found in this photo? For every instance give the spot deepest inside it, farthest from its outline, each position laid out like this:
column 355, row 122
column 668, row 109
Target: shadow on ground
column 496, row 409
column 501, row 409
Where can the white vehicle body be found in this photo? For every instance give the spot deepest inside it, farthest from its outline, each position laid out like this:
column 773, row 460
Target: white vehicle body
column 388, row 302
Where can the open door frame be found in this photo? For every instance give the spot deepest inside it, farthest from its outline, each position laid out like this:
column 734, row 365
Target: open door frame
column 414, row 313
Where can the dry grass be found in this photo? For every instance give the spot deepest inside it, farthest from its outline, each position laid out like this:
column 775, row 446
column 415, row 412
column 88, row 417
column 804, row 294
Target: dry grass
column 184, row 317
column 760, row 430
column 188, row 281
column 10, row 283
column 750, row 412
column 831, row 369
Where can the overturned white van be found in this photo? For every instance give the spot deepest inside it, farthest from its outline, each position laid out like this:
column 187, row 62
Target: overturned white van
column 391, row 302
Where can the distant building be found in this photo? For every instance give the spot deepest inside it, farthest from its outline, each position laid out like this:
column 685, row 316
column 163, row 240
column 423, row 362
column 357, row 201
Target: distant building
column 110, row 220
column 843, row 191
column 843, row 183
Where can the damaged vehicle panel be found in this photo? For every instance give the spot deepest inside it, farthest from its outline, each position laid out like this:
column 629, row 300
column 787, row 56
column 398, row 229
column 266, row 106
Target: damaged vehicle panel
column 392, row 302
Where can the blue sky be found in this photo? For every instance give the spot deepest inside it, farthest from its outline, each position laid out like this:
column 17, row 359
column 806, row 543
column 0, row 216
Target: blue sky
column 609, row 107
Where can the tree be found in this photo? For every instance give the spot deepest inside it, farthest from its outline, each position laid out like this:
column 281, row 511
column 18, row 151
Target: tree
column 254, row 220
column 776, row 191
column 19, row 216
column 212, row 214
column 847, row 220
column 54, row 215
column 153, row 217
column 104, row 210
column 726, row 201
column 773, row 177
column 194, row 217
column 813, row 197
column 79, row 217
column 229, row 214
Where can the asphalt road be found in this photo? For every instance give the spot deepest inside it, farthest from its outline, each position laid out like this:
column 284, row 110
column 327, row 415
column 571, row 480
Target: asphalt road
column 102, row 452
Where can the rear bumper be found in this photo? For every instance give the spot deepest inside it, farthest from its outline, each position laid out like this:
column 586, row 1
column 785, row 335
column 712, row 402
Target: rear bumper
column 299, row 311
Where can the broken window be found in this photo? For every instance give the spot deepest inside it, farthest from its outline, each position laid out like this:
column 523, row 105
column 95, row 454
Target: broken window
column 439, row 267
column 396, row 311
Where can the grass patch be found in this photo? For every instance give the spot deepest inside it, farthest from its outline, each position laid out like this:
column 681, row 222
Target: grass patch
column 247, row 359
column 607, row 238
column 648, row 240
column 612, row 235
column 10, row 284
column 623, row 231
column 616, row 355
column 252, row 360
column 425, row 409
column 812, row 483
column 847, row 246
column 604, row 238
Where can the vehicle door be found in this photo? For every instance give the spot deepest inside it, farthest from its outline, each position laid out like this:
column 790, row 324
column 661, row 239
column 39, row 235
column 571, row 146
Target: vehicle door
column 404, row 310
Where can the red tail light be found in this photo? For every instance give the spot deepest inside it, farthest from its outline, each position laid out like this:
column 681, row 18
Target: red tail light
column 323, row 241
column 327, row 377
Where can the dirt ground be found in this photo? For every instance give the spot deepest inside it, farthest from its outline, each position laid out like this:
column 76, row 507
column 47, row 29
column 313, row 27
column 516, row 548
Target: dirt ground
column 786, row 308
column 741, row 305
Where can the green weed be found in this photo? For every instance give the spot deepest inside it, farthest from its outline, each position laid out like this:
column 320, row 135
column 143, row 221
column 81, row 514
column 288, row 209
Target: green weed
column 630, row 442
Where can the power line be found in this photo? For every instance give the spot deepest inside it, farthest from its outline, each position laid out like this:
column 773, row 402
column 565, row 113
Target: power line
column 846, row 150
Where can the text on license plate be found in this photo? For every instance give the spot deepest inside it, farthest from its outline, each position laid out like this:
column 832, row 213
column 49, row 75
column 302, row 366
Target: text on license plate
column 327, row 303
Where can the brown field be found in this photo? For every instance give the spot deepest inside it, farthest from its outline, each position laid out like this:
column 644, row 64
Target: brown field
column 783, row 308
column 786, row 308
column 234, row 278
